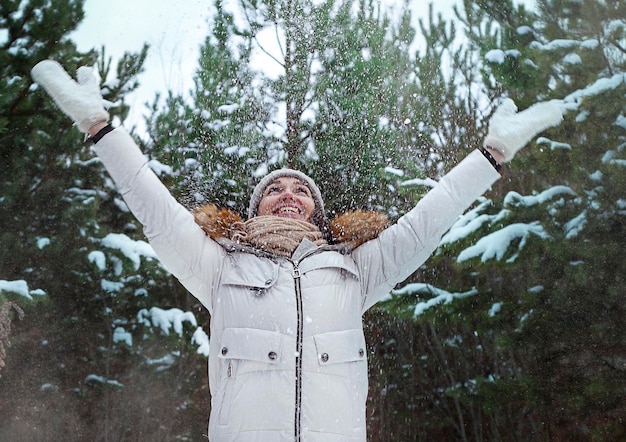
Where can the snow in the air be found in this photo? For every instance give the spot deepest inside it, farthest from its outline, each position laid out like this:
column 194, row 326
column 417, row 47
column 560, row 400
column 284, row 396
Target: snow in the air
column 503, row 244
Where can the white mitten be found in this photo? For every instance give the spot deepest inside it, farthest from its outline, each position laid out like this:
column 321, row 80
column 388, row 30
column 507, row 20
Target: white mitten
column 81, row 101
column 509, row 130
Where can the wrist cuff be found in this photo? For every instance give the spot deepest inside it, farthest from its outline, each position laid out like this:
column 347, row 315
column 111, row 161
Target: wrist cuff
column 101, row 133
column 490, row 157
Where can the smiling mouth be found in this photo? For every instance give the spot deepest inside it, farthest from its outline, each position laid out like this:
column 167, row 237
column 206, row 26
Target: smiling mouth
column 288, row 211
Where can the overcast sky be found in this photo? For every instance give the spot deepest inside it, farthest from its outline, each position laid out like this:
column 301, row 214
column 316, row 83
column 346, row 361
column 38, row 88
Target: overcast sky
column 174, row 30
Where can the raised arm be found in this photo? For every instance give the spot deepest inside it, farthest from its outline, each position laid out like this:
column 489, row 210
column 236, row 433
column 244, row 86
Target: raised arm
column 179, row 242
column 402, row 248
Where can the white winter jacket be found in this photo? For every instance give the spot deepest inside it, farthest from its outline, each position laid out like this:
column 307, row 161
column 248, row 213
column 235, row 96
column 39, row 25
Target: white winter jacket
column 288, row 356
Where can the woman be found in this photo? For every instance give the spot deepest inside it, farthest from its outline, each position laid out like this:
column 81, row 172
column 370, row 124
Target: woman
column 286, row 289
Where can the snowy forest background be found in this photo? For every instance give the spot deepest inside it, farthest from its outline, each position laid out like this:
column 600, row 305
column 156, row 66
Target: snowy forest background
column 513, row 330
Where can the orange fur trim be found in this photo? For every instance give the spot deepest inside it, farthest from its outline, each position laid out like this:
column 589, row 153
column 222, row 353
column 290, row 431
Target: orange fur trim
column 215, row 221
column 358, row 226
column 354, row 227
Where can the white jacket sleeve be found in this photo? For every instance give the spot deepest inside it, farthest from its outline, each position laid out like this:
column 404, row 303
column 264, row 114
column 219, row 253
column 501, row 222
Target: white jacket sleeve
column 178, row 241
column 403, row 247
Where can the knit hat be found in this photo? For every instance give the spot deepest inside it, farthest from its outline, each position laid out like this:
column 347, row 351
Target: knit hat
column 319, row 215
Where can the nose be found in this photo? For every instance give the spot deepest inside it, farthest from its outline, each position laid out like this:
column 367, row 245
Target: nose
column 288, row 194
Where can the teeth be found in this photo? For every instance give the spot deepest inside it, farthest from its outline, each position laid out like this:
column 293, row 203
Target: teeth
column 288, row 209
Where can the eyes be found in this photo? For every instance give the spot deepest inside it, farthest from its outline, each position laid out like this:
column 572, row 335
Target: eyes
column 297, row 189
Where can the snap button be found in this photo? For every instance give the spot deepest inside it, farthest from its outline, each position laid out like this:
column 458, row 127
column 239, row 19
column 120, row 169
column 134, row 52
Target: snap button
column 224, row 350
column 272, row 355
column 324, row 357
column 361, row 352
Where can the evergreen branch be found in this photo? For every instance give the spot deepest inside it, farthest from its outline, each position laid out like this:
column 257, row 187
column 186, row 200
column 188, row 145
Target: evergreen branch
column 26, row 16
column 617, row 45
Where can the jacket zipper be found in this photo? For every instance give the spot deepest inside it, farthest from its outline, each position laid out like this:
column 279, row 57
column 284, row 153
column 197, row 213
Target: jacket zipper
column 299, row 343
column 295, row 273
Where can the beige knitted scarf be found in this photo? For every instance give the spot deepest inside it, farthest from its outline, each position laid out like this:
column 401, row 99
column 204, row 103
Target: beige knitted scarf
column 275, row 234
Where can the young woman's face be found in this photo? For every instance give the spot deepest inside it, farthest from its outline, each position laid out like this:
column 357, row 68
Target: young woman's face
column 287, row 197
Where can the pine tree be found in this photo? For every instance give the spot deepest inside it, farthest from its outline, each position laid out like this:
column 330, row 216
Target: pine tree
column 531, row 352
column 573, row 335
column 344, row 100
column 216, row 143
column 352, row 114
column 527, row 345
column 70, row 365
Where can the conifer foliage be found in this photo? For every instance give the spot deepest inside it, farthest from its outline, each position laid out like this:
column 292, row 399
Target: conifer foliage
column 73, row 263
column 519, row 336
column 513, row 330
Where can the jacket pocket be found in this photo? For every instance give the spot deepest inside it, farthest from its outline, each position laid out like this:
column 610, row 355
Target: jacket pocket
column 341, row 380
column 340, row 346
column 251, row 344
column 245, row 350
column 246, row 270
column 327, row 260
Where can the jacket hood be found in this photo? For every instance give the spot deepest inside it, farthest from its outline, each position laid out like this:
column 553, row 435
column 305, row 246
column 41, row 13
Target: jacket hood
column 348, row 230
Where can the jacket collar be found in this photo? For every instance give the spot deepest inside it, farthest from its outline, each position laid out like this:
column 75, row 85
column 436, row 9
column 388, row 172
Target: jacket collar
column 305, row 248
